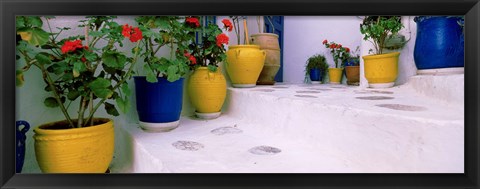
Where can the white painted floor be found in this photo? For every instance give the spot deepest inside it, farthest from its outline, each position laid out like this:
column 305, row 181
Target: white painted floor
column 307, row 128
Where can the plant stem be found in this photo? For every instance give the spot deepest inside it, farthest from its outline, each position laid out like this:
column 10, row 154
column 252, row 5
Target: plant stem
column 90, row 116
column 81, row 112
column 55, row 95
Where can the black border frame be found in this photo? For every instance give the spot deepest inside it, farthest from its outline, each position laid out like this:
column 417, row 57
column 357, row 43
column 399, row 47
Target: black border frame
column 10, row 8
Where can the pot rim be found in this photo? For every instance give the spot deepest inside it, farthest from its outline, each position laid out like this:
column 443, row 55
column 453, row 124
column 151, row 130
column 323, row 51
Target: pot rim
column 40, row 130
column 265, row 34
column 379, row 56
column 243, row 46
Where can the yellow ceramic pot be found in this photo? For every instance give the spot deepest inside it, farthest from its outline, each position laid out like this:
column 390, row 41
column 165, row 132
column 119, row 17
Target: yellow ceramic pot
column 244, row 64
column 335, row 75
column 78, row 150
column 381, row 71
column 207, row 90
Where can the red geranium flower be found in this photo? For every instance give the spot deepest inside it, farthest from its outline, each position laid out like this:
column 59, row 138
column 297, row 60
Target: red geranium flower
column 347, row 49
column 70, row 46
column 227, row 24
column 339, row 46
column 134, row 35
column 127, row 30
column 332, row 46
column 192, row 21
column 222, row 39
column 192, row 59
column 324, row 42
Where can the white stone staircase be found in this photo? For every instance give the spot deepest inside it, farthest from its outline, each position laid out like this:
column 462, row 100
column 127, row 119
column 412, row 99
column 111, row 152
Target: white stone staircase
column 414, row 128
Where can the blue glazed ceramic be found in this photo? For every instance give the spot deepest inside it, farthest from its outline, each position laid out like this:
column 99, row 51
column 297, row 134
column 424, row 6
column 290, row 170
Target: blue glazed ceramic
column 439, row 42
column 315, row 74
column 159, row 102
column 21, row 129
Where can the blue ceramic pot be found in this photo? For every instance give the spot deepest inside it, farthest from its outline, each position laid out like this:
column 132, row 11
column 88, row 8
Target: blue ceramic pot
column 159, row 102
column 20, row 147
column 315, row 74
column 439, row 42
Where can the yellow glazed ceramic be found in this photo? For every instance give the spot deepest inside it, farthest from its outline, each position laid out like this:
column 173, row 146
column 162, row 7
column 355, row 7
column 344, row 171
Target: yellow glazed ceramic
column 381, row 71
column 78, row 150
column 207, row 90
column 244, row 64
column 335, row 75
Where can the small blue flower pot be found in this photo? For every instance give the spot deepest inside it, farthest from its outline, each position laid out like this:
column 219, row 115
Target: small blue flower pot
column 20, row 146
column 315, row 74
column 439, row 42
column 159, row 104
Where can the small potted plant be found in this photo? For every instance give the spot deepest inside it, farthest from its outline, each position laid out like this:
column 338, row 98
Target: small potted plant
column 159, row 94
column 207, row 87
column 381, row 69
column 340, row 54
column 244, row 62
column 352, row 67
column 268, row 42
column 315, row 68
column 77, row 69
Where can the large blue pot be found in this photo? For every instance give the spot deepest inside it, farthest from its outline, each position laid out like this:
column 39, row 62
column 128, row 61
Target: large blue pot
column 439, row 42
column 21, row 129
column 315, row 75
column 159, row 102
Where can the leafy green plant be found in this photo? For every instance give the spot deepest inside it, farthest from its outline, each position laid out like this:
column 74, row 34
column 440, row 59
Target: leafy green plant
column 317, row 61
column 377, row 28
column 209, row 50
column 173, row 32
column 77, row 68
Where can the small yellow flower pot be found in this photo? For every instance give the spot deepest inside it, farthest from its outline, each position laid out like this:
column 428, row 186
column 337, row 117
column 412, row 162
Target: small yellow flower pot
column 78, row 150
column 335, row 75
column 244, row 64
column 381, row 71
column 207, row 91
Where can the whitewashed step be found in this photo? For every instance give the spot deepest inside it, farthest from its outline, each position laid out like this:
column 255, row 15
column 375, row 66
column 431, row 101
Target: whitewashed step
column 449, row 89
column 313, row 129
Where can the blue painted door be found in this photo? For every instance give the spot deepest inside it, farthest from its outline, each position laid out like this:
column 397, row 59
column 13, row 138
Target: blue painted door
column 276, row 23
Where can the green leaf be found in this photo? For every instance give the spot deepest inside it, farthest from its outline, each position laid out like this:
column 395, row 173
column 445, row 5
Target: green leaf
column 151, row 77
column 34, row 36
column 51, row 102
column 72, row 95
column 20, row 22
column 114, row 59
column 212, row 68
column 126, row 90
column 123, row 104
column 90, row 56
column 43, row 58
column 100, row 88
column 78, row 67
column 110, row 108
column 96, row 33
column 34, row 21
column 162, row 22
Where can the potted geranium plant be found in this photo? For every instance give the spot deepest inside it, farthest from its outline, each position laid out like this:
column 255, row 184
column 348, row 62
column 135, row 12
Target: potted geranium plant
column 315, row 68
column 244, row 61
column 159, row 94
column 352, row 67
column 77, row 69
column 268, row 42
column 340, row 54
column 381, row 69
column 207, row 87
